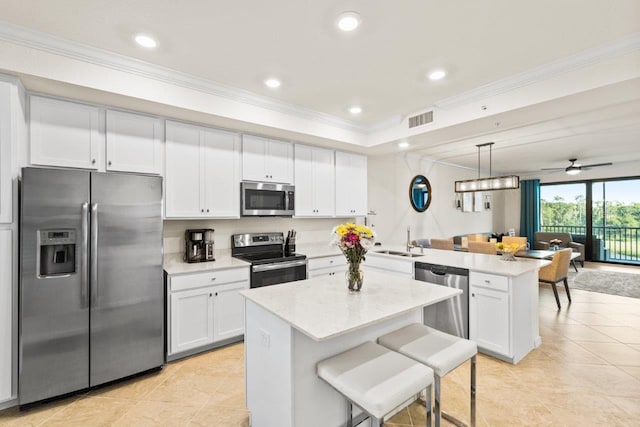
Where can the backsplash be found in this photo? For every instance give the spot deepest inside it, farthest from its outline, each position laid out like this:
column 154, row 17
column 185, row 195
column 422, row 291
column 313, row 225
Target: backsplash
column 310, row 230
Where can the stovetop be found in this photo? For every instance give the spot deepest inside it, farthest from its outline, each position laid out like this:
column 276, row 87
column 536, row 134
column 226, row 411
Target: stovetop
column 269, row 257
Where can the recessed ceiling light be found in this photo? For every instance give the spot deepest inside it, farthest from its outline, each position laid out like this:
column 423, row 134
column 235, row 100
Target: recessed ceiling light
column 145, row 41
column 348, row 21
column 403, row 144
column 272, row 83
column 437, row 74
column 355, row 109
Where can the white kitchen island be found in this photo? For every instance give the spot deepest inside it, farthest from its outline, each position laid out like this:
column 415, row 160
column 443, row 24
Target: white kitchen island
column 290, row 327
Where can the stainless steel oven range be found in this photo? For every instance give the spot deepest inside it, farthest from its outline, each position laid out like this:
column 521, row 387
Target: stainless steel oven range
column 269, row 264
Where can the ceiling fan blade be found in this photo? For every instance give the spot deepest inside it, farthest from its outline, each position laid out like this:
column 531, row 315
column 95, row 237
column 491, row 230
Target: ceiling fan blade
column 596, row 165
column 552, row 169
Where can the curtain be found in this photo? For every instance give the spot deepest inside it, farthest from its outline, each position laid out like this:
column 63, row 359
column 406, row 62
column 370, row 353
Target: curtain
column 529, row 208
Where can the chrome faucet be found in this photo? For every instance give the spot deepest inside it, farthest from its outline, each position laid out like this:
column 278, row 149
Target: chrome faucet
column 409, row 245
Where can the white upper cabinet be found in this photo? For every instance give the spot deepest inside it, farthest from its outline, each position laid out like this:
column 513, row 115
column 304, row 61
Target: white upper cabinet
column 65, row 134
column 134, row 143
column 202, row 172
column 7, row 325
column 351, row 184
column 314, row 181
column 266, row 160
column 11, row 125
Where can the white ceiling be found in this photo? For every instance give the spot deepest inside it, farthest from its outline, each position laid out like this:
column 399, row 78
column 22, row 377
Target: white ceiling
column 383, row 65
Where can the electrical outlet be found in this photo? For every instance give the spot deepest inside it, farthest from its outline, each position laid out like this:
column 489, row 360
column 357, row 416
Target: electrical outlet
column 265, row 338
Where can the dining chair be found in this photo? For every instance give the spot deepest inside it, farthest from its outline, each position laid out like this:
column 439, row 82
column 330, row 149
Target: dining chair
column 478, row 238
column 557, row 272
column 442, row 244
column 507, row 240
column 482, row 248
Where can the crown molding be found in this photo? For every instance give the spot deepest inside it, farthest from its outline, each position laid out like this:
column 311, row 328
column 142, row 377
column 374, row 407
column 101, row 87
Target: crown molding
column 81, row 52
column 573, row 62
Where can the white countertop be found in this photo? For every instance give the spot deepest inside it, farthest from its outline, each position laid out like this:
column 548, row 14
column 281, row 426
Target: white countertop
column 324, row 308
column 174, row 264
column 482, row 263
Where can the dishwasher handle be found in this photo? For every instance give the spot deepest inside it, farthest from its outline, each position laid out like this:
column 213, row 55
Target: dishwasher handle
column 439, row 270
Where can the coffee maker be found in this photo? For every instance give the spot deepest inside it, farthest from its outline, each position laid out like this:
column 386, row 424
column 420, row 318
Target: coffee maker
column 199, row 245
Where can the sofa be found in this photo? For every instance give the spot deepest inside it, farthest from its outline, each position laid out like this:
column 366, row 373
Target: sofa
column 541, row 241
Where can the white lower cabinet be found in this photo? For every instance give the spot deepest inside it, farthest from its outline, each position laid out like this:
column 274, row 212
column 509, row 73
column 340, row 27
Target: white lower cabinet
column 503, row 314
column 327, row 266
column 205, row 308
column 191, row 319
column 6, row 314
column 489, row 319
column 389, row 264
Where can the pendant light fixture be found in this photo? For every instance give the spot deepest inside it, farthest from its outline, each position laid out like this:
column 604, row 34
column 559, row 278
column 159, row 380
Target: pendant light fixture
column 509, row 182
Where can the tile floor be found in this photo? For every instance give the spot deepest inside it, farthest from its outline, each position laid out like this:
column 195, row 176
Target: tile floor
column 586, row 373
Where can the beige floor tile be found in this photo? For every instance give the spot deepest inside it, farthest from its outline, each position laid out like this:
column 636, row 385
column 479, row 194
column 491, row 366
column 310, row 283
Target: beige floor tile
column 160, row 414
column 212, row 415
column 629, row 405
column 402, row 418
column 634, row 371
column 35, row 415
column 614, row 353
column 187, row 387
column 135, row 388
column 586, row 333
column 92, row 411
column 624, row 334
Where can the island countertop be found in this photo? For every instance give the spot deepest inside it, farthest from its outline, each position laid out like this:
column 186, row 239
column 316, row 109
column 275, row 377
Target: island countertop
column 323, row 308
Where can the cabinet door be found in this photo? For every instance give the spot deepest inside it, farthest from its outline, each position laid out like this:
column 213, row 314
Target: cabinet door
column 280, row 161
column 324, row 191
column 351, row 184
column 489, row 319
column 254, row 154
column 7, row 133
column 134, row 143
column 65, row 134
column 304, row 181
column 6, row 314
column 191, row 319
column 183, row 179
column 228, row 319
column 221, row 151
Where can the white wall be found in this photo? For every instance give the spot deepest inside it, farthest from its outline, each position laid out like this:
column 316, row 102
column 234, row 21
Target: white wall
column 512, row 198
column 310, row 230
column 389, row 178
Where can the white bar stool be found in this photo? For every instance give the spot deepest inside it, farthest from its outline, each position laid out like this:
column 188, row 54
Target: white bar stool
column 376, row 379
column 441, row 352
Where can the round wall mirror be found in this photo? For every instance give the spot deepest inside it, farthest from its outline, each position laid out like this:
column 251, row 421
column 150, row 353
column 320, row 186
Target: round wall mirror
column 420, row 193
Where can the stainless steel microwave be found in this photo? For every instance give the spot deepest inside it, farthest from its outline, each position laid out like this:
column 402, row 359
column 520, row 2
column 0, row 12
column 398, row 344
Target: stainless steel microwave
column 267, row 199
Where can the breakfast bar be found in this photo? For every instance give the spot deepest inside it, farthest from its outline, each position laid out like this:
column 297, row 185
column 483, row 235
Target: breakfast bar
column 290, row 327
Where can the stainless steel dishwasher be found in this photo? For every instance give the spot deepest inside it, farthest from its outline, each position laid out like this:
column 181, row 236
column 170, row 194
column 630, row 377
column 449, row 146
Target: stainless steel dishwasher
column 450, row 316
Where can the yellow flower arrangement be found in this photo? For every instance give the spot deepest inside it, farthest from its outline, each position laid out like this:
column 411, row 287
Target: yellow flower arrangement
column 510, row 248
column 354, row 241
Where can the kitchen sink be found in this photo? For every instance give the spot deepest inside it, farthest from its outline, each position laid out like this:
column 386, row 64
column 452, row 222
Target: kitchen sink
column 398, row 253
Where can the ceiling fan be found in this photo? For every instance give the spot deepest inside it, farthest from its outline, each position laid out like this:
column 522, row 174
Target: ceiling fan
column 574, row 169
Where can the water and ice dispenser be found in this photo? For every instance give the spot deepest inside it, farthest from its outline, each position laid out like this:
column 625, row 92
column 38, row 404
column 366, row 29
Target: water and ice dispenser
column 56, row 252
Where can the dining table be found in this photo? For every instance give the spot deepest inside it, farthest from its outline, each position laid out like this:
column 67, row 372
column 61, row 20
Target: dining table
column 531, row 253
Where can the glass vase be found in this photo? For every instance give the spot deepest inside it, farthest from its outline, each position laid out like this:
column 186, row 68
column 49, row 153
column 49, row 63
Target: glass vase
column 354, row 277
column 508, row 256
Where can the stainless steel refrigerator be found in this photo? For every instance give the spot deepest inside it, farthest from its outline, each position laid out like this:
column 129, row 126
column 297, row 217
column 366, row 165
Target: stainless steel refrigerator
column 91, row 280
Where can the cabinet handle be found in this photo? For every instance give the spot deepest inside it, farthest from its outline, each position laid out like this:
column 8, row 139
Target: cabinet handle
column 93, row 161
column 202, row 210
column 210, row 295
column 109, row 163
column 213, row 278
column 473, row 295
column 207, row 210
column 331, row 262
column 216, row 294
column 487, row 281
column 266, row 176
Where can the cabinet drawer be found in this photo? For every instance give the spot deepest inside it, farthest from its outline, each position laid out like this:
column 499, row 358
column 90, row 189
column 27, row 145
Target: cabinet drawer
column 390, row 264
column 326, row 262
column 490, row 281
column 214, row 277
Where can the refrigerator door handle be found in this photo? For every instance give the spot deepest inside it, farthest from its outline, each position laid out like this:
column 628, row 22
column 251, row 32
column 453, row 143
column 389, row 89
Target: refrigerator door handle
column 84, row 285
column 93, row 268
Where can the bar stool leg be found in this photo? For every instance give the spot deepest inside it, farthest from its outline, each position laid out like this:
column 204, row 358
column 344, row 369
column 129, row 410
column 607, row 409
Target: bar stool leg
column 473, row 391
column 436, row 380
column 349, row 414
column 428, row 405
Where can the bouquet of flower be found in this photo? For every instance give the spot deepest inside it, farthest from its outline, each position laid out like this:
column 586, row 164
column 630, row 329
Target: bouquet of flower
column 555, row 242
column 354, row 241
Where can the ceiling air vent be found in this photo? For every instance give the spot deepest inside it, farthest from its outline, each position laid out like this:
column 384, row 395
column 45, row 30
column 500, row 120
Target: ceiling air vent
column 421, row 119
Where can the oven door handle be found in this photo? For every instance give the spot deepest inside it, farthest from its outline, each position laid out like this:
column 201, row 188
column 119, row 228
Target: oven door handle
column 278, row 266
